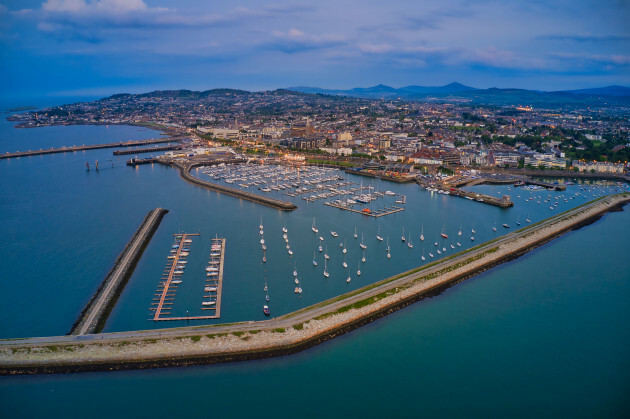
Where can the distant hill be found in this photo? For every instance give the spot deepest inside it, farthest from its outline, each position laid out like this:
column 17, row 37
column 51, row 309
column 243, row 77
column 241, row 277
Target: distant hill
column 602, row 91
column 457, row 92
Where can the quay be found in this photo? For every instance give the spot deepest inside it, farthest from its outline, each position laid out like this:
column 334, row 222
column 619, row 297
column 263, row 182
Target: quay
column 291, row 332
column 84, row 147
column 503, row 202
column 401, row 179
column 146, row 150
column 184, row 171
column 94, row 315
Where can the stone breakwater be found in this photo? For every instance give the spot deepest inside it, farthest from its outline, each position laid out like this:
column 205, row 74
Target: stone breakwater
column 295, row 331
column 93, row 317
column 184, row 171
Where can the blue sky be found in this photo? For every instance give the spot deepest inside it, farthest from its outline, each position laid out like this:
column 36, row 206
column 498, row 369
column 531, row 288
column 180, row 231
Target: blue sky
column 99, row 47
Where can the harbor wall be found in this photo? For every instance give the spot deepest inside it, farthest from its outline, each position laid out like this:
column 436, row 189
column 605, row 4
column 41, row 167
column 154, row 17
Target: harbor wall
column 184, row 172
column 300, row 330
column 103, row 299
column 84, row 147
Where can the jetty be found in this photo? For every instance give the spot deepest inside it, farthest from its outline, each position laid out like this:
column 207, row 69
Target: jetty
column 292, row 332
column 212, row 287
column 84, row 148
column 146, row 150
column 503, row 202
column 184, row 171
column 94, row 315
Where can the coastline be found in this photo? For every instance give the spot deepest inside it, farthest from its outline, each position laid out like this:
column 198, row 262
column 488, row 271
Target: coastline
column 292, row 332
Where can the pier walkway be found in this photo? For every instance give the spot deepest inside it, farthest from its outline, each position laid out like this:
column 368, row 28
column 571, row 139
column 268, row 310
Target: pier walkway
column 84, row 147
column 95, row 314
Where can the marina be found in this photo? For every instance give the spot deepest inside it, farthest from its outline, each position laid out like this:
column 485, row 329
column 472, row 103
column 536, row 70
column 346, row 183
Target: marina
column 172, row 278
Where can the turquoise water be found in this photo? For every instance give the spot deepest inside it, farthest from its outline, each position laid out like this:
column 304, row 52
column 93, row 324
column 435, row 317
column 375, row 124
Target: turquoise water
column 542, row 335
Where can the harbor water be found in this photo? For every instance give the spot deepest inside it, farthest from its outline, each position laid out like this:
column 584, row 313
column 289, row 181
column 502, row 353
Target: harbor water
column 535, row 336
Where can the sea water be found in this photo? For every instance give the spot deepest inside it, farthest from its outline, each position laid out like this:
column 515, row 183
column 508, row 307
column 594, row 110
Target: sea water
column 533, row 337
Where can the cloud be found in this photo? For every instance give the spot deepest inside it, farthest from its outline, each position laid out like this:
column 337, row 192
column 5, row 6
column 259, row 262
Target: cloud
column 294, row 40
column 584, row 38
column 586, row 60
column 86, row 20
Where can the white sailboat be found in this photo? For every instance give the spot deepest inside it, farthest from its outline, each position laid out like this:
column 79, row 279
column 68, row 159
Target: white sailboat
column 326, row 254
column 363, row 258
column 326, row 274
column 422, row 233
column 315, row 230
column 403, row 235
column 359, row 270
column 345, row 264
column 362, row 245
column 459, row 233
column 410, row 244
column 378, row 234
column 355, row 232
column 314, row 260
column 423, row 258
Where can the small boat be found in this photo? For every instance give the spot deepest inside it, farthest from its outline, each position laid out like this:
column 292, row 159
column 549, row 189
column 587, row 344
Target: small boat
column 284, row 230
column 266, row 310
column 355, row 232
column 348, row 279
column 294, row 271
column 315, row 230
column 506, row 225
column 472, row 238
column 362, row 245
column 378, row 234
column 422, row 233
column 210, row 289
column 494, row 228
column 459, row 233
column 431, row 254
column 443, row 234
column 423, row 258
column 321, row 239
column 267, row 297
column 326, row 274
column 410, row 244
column 265, row 289
column 403, row 235
column 459, row 244
column 334, row 234
column 345, row 264
column 363, row 258
column 290, row 252
column 296, row 280
column 359, row 270
column 177, row 281
column 262, row 241
column 296, row 290
column 326, row 253
column 473, row 231
column 314, row 261
column 208, row 303
column 518, row 221
column 261, row 224
column 344, row 247
column 320, row 248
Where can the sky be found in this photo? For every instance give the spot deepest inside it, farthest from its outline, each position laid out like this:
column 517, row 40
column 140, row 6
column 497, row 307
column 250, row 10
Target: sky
column 101, row 47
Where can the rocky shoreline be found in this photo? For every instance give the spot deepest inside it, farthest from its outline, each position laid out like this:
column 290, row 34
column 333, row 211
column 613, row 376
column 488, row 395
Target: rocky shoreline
column 293, row 332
